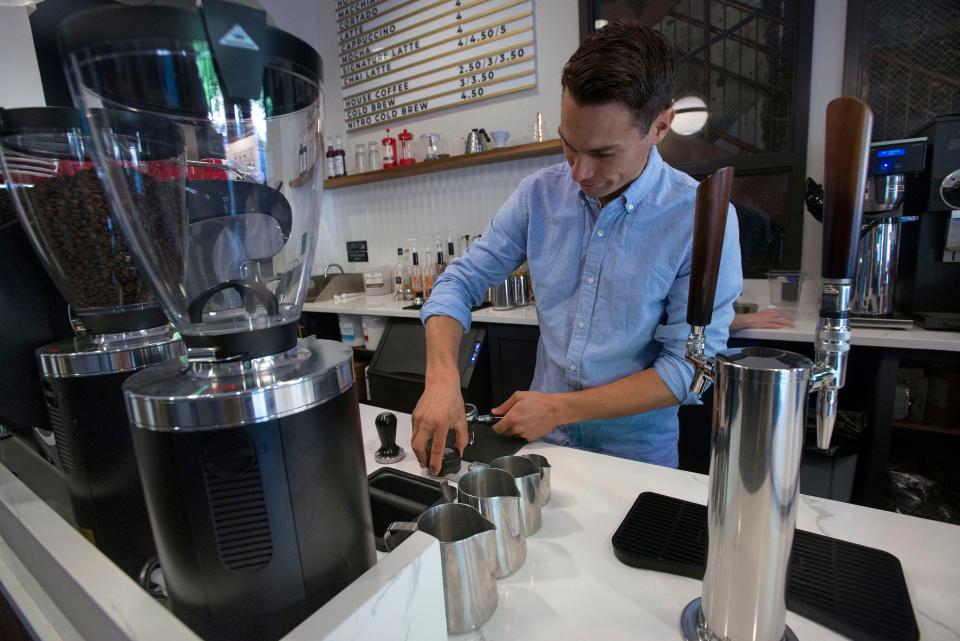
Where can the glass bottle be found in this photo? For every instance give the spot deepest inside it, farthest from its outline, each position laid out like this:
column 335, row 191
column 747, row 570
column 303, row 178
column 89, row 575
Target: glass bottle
column 401, row 274
column 451, row 247
column 416, row 276
column 340, row 158
column 440, row 265
column 329, row 158
column 427, row 271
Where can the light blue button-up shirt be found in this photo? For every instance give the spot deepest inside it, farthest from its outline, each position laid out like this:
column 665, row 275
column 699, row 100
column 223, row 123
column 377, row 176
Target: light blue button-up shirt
column 611, row 293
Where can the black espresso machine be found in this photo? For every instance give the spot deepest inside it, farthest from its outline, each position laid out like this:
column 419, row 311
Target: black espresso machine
column 250, row 448
column 909, row 181
column 46, row 161
column 928, row 278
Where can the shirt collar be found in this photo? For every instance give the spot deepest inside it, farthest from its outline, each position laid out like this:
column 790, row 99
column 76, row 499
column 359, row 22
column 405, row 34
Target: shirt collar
column 640, row 186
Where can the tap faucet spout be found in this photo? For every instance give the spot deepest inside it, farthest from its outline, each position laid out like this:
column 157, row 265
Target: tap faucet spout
column 326, row 270
column 832, row 346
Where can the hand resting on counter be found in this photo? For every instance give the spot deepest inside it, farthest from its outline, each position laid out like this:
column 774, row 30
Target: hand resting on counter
column 771, row 318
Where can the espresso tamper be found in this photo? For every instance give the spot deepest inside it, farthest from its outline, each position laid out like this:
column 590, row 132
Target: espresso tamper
column 451, row 460
column 389, row 451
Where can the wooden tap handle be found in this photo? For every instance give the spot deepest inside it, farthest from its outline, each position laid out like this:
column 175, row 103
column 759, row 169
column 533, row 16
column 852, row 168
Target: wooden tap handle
column 713, row 199
column 849, row 123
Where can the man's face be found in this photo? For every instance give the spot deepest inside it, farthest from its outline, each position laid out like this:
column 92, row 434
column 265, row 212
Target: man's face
column 603, row 145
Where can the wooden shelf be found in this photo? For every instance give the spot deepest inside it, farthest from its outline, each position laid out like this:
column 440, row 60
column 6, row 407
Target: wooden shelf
column 517, row 152
column 907, row 425
column 304, row 177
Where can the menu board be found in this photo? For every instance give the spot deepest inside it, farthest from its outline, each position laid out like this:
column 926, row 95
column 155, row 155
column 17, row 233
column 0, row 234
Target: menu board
column 400, row 58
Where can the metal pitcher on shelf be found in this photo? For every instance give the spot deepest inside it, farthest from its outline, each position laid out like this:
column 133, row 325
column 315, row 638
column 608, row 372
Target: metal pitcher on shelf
column 761, row 399
column 477, row 141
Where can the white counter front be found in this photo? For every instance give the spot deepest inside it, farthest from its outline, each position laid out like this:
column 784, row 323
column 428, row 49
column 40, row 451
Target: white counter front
column 804, row 317
column 572, row 587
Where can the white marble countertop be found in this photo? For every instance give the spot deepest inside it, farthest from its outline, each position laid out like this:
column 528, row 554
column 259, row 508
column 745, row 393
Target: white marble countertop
column 386, row 306
column 572, row 587
column 805, row 324
column 804, row 317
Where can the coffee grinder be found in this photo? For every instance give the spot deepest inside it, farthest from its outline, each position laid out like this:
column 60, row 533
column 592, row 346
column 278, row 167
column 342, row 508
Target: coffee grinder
column 250, row 449
column 45, row 158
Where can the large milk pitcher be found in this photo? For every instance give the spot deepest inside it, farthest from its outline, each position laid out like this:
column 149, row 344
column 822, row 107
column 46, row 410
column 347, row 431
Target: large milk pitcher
column 468, row 557
column 527, row 478
column 495, row 495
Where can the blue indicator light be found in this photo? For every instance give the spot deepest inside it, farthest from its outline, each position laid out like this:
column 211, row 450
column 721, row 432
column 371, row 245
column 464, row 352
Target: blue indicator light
column 886, row 153
column 885, row 165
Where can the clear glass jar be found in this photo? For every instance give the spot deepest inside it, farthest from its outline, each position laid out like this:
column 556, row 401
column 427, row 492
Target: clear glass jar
column 360, row 158
column 374, row 156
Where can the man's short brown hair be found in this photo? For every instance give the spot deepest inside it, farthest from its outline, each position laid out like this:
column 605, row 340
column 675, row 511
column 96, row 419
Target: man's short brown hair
column 625, row 62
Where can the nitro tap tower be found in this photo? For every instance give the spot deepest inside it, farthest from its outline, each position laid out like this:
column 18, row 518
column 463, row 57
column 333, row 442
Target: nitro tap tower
column 761, row 400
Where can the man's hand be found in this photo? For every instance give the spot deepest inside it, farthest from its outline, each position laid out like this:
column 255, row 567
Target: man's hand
column 771, row 318
column 530, row 414
column 438, row 410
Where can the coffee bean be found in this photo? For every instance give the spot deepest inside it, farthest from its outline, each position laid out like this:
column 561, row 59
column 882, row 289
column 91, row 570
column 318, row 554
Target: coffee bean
column 71, row 213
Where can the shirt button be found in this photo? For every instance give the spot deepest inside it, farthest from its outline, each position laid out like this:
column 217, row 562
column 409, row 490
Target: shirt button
column 590, row 280
column 600, row 233
column 573, row 368
column 581, row 324
column 629, row 206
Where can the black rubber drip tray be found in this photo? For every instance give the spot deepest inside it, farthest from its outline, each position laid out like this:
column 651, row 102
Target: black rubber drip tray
column 856, row 591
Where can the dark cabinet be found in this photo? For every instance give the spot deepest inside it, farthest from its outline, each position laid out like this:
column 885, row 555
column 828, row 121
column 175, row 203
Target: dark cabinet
column 513, row 358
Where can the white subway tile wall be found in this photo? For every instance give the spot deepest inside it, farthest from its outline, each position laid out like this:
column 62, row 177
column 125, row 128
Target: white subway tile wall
column 387, row 213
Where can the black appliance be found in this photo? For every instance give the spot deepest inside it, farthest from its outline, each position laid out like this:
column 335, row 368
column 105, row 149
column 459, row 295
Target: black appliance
column 395, row 377
column 47, row 167
column 32, row 313
column 928, row 278
column 250, row 448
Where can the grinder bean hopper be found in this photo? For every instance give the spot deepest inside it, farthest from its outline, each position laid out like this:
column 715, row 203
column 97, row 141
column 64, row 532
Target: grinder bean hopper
column 250, row 449
column 46, row 159
column 761, row 400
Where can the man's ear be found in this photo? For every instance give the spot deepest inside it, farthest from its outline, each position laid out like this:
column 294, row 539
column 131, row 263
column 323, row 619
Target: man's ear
column 661, row 126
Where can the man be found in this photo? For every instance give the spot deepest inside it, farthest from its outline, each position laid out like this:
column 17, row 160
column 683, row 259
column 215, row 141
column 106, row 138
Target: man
column 607, row 236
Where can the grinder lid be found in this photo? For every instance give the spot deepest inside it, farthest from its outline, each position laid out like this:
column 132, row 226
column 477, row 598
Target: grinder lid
column 169, row 397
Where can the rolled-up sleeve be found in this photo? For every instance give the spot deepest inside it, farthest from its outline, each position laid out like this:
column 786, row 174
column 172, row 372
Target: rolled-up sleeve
column 672, row 365
column 501, row 249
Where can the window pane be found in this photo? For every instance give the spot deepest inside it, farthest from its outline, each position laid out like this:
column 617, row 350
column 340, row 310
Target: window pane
column 739, row 59
column 763, row 207
column 911, row 64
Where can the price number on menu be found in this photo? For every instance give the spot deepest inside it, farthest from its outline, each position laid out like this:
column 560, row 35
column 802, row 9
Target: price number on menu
column 480, row 36
column 489, row 61
column 480, row 77
column 476, row 92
